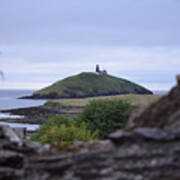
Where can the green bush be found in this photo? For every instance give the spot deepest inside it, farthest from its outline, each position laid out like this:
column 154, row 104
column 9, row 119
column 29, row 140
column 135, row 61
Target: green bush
column 63, row 129
column 56, row 105
column 98, row 120
column 106, row 115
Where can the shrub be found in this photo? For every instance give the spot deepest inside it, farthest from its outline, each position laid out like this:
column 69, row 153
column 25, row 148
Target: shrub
column 98, row 120
column 56, row 105
column 63, row 129
column 106, row 115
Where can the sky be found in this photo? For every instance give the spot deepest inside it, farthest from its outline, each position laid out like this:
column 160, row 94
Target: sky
column 42, row 41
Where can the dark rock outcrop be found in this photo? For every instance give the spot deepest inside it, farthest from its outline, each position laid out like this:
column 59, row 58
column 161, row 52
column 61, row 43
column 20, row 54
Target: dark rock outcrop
column 38, row 115
column 149, row 149
column 163, row 114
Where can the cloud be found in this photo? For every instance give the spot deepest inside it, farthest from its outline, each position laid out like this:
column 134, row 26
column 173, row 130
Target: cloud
column 102, row 22
column 22, row 85
column 43, row 41
column 35, row 64
column 159, row 86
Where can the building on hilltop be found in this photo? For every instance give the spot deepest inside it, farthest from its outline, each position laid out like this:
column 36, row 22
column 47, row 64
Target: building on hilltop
column 99, row 72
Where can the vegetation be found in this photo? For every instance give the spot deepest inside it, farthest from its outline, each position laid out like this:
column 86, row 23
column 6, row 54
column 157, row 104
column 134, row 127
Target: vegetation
column 57, row 105
column 101, row 116
column 63, row 129
column 89, row 85
column 134, row 99
column 106, row 116
column 98, row 119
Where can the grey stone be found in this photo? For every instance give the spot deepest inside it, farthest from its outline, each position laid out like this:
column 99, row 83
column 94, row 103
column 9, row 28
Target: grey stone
column 10, row 135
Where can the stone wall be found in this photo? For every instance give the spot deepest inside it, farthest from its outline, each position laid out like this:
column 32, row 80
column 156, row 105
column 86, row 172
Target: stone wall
column 140, row 154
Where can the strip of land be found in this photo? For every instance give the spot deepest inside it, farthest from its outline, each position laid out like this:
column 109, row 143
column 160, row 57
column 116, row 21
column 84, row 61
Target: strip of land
column 134, row 99
column 37, row 115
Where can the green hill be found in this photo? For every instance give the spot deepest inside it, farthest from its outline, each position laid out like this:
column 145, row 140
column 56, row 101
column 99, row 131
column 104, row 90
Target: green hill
column 88, row 85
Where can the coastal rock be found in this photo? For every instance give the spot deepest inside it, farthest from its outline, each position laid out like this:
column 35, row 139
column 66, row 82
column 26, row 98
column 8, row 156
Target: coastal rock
column 38, row 115
column 10, row 135
column 164, row 114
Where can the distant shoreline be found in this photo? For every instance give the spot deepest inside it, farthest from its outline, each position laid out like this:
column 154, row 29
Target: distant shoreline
column 160, row 92
column 54, row 96
column 36, row 115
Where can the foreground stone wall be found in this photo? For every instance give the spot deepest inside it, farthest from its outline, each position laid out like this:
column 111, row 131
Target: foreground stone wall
column 142, row 153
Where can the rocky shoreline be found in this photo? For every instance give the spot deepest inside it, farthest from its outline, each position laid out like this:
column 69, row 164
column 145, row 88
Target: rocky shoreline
column 37, row 115
column 52, row 96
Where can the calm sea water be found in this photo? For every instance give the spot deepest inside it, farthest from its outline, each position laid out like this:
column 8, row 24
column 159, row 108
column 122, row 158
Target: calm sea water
column 29, row 127
column 9, row 99
column 160, row 92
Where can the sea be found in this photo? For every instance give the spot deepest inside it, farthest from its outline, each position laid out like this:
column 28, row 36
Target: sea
column 160, row 92
column 9, row 99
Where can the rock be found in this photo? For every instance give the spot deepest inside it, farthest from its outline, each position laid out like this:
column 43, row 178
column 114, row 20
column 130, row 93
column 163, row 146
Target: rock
column 11, row 174
column 164, row 114
column 148, row 158
column 135, row 154
column 178, row 79
column 11, row 159
column 144, row 134
column 10, row 135
column 152, row 134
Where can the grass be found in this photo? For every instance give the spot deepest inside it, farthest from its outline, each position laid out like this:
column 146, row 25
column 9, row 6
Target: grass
column 136, row 100
column 89, row 85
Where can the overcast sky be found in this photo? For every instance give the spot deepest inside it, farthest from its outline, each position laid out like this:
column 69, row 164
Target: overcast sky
column 42, row 41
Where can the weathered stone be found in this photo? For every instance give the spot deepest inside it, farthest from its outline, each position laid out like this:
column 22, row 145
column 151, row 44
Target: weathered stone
column 164, row 114
column 10, row 135
column 11, row 174
column 150, row 156
column 153, row 134
column 33, row 146
column 11, row 159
